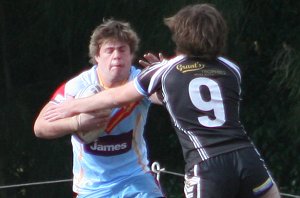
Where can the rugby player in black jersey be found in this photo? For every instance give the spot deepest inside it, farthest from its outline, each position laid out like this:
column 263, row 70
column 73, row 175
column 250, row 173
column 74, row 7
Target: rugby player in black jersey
column 201, row 90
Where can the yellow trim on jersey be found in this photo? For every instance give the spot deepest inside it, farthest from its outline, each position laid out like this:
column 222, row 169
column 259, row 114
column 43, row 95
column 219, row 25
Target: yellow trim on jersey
column 263, row 186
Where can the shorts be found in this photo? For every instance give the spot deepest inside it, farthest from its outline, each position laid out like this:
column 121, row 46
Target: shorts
column 237, row 174
column 141, row 186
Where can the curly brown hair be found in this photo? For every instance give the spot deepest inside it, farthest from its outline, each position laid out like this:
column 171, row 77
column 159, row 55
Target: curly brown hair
column 112, row 30
column 198, row 30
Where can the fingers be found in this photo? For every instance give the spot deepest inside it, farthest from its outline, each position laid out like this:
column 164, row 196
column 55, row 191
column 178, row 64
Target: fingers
column 151, row 59
column 58, row 111
column 144, row 63
column 50, row 115
column 161, row 57
column 53, row 114
column 52, row 118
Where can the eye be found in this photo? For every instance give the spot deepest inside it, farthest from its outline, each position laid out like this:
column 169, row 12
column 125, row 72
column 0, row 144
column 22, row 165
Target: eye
column 123, row 49
column 109, row 50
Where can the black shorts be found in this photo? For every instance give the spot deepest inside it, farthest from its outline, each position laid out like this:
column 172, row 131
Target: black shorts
column 238, row 174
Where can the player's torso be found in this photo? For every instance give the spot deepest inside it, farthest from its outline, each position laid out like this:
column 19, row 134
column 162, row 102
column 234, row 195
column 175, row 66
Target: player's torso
column 202, row 94
column 203, row 100
column 117, row 154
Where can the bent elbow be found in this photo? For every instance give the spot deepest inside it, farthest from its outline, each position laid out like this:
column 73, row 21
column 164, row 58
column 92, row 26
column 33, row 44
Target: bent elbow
column 38, row 132
column 41, row 131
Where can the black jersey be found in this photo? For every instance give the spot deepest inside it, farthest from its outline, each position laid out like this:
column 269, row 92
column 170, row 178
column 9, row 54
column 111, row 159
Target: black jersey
column 203, row 99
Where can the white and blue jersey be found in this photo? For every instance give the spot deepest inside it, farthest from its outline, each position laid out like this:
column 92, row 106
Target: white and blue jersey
column 119, row 156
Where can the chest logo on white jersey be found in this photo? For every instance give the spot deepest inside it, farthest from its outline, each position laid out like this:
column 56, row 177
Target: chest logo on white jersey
column 110, row 145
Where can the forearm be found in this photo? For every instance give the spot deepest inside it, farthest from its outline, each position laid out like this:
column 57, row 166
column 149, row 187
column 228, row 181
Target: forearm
column 111, row 98
column 114, row 97
column 98, row 102
column 50, row 130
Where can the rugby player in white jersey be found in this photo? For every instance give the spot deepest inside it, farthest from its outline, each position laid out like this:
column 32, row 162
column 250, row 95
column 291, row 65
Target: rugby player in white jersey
column 115, row 165
column 202, row 91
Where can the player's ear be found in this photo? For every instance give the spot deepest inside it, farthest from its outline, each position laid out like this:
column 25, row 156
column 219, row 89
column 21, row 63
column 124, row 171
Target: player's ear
column 97, row 58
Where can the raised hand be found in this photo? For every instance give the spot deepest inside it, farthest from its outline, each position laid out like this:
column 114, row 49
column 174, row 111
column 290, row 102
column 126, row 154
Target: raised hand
column 150, row 59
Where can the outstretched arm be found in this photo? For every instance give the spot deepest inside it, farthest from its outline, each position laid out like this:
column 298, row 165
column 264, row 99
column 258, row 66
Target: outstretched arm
column 49, row 130
column 114, row 97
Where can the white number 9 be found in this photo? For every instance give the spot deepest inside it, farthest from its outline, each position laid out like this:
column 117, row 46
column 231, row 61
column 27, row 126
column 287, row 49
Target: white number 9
column 215, row 103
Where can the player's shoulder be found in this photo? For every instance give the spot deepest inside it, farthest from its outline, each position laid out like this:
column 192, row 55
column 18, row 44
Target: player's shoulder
column 59, row 94
column 82, row 80
column 88, row 74
column 231, row 65
column 228, row 61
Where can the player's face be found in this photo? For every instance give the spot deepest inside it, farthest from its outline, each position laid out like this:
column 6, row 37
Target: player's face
column 114, row 61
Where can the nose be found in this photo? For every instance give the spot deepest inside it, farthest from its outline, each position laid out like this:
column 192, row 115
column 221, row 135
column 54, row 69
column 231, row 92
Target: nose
column 117, row 54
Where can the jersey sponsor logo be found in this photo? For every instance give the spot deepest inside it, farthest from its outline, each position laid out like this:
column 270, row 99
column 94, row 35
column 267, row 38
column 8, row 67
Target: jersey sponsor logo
column 211, row 72
column 110, row 145
column 183, row 68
